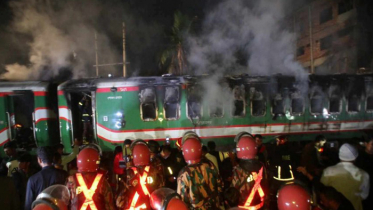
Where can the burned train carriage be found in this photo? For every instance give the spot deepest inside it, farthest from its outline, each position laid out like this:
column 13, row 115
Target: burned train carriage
column 108, row 111
column 28, row 114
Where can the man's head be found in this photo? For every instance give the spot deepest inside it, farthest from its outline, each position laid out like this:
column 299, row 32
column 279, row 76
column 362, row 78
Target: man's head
column 320, row 140
column 24, row 162
column 45, row 156
column 60, row 149
column 369, row 145
column 10, row 149
column 258, row 139
column 211, row 145
column 166, row 151
column 204, row 150
column 330, row 198
column 348, row 153
column 127, row 143
column 280, row 140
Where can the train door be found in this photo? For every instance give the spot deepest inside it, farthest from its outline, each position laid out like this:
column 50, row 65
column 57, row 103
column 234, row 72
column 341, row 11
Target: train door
column 21, row 108
column 81, row 104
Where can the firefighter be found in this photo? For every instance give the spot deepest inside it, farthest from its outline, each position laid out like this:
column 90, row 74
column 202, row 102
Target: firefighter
column 86, row 112
column 88, row 187
column 166, row 199
column 198, row 183
column 293, row 197
column 55, row 197
column 282, row 163
column 156, row 160
column 249, row 176
column 142, row 179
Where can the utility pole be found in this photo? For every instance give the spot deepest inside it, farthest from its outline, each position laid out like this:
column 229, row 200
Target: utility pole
column 124, row 50
column 96, row 54
column 311, row 38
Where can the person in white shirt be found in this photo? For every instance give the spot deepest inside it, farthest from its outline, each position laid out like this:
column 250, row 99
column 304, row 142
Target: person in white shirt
column 347, row 178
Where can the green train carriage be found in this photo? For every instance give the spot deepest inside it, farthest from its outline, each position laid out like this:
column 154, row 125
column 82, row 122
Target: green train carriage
column 28, row 114
column 340, row 107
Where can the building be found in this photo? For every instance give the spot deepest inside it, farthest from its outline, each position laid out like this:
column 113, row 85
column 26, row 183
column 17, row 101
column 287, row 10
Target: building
column 334, row 36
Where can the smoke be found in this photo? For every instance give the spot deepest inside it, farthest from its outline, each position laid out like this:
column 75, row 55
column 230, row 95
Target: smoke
column 246, row 37
column 59, row 37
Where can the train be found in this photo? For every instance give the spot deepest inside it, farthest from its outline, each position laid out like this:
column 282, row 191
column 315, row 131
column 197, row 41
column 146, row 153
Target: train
column 164, row 107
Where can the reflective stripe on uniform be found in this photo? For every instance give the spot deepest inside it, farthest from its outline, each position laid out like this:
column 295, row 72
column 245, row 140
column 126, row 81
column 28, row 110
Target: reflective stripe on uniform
column 279, row 174
column 256, row 188
column 88, row 193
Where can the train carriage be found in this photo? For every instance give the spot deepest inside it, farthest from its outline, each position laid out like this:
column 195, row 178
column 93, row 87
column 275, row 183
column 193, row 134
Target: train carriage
column 340, row 107
column 28, row 114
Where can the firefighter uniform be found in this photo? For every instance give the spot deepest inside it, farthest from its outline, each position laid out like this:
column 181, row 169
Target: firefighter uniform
column 86, row 113
column 249, row 176
column 198, row 183
column 88, row 188
column 142, row 180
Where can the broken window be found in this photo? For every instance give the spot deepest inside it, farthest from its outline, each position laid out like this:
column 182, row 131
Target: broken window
column 258, row 104
column 194, row 103
column 300, row 51
column 326, row 15
column 369, row 103
column 335, row 102
column 345, row 6
column 316, row 101
column 297, row 103
column 171, row 103
column 334, row 105
column 239, row 101
column 216, row 111
column 278, row 107
column 353, row 103
column 148, row 106
column 326, row 42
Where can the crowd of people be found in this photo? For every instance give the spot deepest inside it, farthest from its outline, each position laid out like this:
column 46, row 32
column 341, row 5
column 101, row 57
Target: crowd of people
column 147, row 175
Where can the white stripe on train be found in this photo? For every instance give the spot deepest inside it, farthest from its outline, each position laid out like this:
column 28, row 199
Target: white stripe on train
column 111, row 136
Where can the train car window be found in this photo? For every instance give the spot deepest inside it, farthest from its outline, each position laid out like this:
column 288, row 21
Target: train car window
column 216, row 111
column 258, row 104
column 316, row 104
column 278, row 107
column 297, row 103
column 171, row 103
column 369, row 105
column 194, row 104
column 148, row 107
column 239, row 101
column 335, row 102
column 334, row 105
column 353, row 104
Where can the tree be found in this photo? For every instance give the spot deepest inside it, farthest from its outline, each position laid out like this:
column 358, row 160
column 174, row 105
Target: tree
column 173, row 58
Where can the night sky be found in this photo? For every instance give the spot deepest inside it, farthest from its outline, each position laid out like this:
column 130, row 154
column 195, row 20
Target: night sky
column 147, row 24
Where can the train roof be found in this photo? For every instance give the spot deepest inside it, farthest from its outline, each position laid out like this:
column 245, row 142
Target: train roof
column 8, row 86
column 90, row 84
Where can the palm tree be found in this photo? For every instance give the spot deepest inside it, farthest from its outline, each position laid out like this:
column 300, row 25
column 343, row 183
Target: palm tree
column 173, row 58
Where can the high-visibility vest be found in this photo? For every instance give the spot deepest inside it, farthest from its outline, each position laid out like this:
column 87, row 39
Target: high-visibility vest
column 143, row 181
column 88, row 193
column 256, row 188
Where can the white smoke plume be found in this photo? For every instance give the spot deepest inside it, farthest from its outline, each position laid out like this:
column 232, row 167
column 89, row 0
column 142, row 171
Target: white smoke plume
column 61, row 35
column 246, row 36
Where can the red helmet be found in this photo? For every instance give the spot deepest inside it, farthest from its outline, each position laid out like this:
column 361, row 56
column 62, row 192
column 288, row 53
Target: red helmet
column 52, row 198
column 176, row 204
column 88, row 160
column 246, row 146
column 141, row 153
column 293, row 197
column 192, row 147
column 166, row 199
